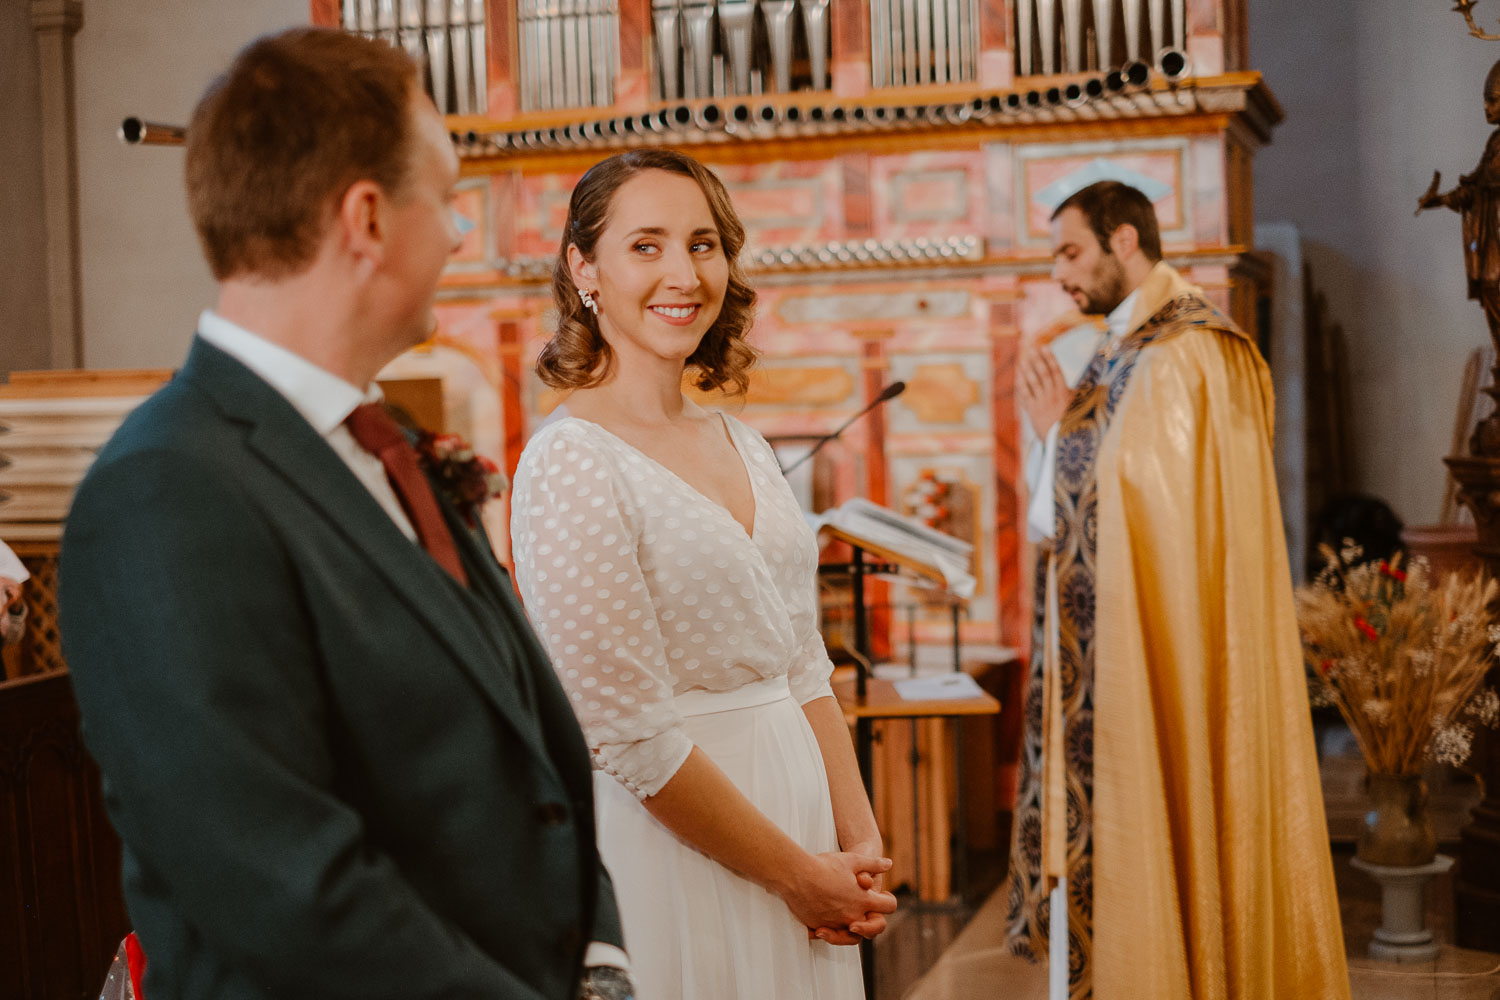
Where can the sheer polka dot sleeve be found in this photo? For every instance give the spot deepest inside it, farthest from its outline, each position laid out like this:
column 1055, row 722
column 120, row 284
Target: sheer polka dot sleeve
column 575, row 542
column 809, row 676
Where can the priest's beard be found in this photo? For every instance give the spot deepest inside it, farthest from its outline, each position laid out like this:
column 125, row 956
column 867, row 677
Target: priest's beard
column 1105, row 288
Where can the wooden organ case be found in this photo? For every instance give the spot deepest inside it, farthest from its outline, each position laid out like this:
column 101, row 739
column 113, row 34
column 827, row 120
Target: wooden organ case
column 896, row 163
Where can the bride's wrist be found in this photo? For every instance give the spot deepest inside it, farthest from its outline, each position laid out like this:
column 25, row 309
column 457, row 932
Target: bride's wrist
column 792, row 875
column 870, row 844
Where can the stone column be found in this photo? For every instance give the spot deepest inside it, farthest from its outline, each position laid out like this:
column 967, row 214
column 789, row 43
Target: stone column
column 55, row 23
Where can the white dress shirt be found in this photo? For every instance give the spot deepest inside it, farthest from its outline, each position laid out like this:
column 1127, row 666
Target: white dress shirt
column 323, row 399
column 1074, row 350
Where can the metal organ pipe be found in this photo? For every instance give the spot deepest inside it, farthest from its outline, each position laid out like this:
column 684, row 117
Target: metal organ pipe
column 138, row 132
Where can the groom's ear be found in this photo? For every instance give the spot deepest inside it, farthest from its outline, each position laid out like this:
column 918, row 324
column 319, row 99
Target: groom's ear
column 361, row 222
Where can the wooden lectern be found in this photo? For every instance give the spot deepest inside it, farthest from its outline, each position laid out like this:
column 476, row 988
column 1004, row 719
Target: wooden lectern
column 868, row 699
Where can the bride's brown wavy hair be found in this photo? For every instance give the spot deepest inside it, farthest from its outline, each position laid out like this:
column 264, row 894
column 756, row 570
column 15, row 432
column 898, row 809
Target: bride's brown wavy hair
column 577, row 356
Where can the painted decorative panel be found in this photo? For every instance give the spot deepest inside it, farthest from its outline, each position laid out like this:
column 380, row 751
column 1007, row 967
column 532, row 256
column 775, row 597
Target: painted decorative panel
column 864, row 306
column 540, row 212
column 944, row 393
column 471, row 205
column 1047, row 174
column 775, row 383
column 788, row 202
column 928, row 194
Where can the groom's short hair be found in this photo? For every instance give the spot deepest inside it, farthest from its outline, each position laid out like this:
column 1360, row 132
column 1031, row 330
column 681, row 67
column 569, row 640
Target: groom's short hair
column 276, row 141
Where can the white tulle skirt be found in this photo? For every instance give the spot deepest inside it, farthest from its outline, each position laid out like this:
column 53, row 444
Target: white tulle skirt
column 695, row 930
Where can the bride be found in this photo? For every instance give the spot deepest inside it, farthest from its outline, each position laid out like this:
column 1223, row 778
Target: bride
column 669, row 571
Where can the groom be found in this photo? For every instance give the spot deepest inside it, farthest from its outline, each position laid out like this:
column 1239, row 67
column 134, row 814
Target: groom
column 339, row 761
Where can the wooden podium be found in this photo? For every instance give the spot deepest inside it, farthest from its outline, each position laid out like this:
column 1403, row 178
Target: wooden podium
column 921, row 805
column 866, row 700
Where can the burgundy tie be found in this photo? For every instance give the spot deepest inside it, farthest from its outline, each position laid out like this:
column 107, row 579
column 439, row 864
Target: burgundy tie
column 378, row 434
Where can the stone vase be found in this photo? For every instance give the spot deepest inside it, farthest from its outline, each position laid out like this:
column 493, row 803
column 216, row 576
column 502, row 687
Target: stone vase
column 1397, row 831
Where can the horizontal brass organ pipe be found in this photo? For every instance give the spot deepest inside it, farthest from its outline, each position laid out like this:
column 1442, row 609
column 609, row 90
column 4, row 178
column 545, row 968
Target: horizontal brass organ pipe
column 137, row 132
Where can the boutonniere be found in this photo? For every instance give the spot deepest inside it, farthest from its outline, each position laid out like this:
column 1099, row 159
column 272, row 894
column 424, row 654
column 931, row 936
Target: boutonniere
column 467, row 479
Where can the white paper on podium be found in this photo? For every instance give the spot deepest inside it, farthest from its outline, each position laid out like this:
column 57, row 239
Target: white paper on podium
column 905, row 536
column 938, row 687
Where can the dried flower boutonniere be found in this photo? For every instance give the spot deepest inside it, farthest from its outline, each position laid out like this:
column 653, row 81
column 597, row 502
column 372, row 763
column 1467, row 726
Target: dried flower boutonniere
column 467, row 479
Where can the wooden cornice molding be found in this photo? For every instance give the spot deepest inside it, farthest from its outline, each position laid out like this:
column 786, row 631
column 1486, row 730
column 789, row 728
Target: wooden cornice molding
column 910, row 120
column 57, row 15
column 531, row 276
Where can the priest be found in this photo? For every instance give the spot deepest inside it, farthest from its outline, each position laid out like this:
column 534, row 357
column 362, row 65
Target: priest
column 1170, row 837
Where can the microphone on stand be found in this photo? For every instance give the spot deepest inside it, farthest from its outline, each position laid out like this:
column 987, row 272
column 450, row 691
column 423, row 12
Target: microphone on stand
column 887, row 394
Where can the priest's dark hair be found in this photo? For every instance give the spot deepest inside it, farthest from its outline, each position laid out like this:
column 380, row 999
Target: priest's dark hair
column 1108, row 205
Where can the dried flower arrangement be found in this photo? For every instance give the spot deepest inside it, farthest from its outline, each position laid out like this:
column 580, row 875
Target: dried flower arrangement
column 1402, row 656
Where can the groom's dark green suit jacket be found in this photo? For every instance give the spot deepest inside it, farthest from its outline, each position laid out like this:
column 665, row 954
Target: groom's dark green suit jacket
column 336, row 771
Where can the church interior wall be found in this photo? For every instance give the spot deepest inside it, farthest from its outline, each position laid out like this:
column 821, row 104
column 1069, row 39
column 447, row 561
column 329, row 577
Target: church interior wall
column 144, row 280
column 1372, row 109
column 23, row 278
column 1378, row 96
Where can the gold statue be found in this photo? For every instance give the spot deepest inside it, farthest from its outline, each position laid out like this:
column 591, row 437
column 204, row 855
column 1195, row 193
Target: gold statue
column 1476, row 198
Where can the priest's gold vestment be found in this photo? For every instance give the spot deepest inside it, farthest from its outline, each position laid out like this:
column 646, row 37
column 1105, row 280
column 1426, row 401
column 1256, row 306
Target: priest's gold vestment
column 1169, row 769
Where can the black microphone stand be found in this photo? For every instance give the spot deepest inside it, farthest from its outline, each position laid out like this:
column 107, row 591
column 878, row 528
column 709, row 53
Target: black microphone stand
column 888, row 393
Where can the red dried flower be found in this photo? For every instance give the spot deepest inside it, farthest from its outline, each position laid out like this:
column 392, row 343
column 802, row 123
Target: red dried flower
column 1386, row 569
column 468, row 479
column 1366, row 629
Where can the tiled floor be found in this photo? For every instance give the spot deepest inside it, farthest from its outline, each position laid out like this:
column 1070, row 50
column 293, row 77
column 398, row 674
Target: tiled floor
column 1457, row 974
column 976, row 967
column 939, row 956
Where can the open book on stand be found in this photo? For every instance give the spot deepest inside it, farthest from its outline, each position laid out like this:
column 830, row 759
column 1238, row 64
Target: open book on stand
column 904, row 539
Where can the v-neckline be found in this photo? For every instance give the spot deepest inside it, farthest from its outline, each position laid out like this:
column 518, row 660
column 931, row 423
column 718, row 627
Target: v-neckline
column 734, row 444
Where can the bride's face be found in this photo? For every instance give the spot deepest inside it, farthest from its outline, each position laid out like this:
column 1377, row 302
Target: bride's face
column 659, row 268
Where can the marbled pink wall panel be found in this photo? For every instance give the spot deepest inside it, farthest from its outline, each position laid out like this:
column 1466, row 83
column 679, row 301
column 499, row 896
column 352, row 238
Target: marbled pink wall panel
column 787, row 202
column 913, row 316
column 1214, row 279
column 1162, row 166
column 1205, row 37
column 998, row 177
column 469, row 327
column 541, row 211
column 935, row 195
column 1042, row 301
column 1210, row 200
column 472, row 201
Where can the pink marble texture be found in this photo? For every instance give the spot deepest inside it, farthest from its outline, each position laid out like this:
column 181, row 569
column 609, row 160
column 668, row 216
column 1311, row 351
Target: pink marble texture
column 999, row 181
column 541, row 211
column 787, row 202
column 1162, row 165
column 936, row 195
column 468, row 328
column 1210, row 216
column 470, row 202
